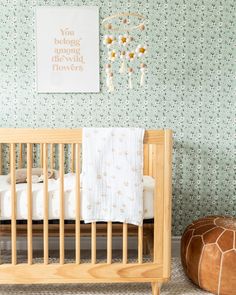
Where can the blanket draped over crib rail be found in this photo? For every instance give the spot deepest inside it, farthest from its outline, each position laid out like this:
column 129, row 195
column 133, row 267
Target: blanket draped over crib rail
column 112, row 175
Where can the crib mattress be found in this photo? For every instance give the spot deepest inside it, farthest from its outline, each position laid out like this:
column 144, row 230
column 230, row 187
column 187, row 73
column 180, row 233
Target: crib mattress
column 54, row 195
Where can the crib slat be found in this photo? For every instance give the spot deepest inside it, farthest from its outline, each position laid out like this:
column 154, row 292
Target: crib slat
column 94, row 246
column 145, row 158
column 20, row 155
column 140, row 244
column 150, row 157
column 45, row 189
column 62, row 250
column 72, row 158
column 1, row 256
column 1, row 159
column 41, row 154
column 77, row 217
column 29, row 202
column 52, row 156
column 109, row 242
column 13, row 202
column 125, row 242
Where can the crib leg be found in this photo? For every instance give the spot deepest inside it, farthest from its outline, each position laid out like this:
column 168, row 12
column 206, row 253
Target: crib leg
column 155, row 289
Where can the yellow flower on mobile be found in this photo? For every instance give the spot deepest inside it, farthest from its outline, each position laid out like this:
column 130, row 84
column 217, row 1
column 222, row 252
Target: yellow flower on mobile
column 122, row 54
column 124, row 40
column 130, row 55
column 141, row 50
column 112, row 55
column 109, row 40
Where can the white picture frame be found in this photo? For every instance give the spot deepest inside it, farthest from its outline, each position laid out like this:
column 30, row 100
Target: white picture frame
column 67, row 49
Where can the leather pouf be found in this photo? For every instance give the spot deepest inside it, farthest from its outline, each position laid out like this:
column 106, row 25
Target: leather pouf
column 208, row 253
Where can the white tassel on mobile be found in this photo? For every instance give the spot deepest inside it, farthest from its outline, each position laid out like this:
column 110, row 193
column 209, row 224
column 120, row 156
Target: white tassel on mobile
column 123, row 64
column 142, row 77
column 108, row 73
column 111, row 84
column 143, row 70
column 122, row 67
column 130, row 71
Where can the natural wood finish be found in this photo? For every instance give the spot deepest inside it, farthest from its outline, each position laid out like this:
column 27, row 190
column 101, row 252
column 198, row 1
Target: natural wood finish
column 29, row 203
column 140, row 244
column 20, row 156
column 157, row 163
column 80, row 273
column 125, row 242
column 13, row 202
column 15, row 135
column 93, row 242
column 155, row 289
column 52, row 156
column 41, row 154
column 151, row 160
column 62, row 250
column 167, row 210
column 145, row 159
column 158, row 166
column 77, row 217
column 72, row 168
column 1, row 163
column 109, row 242
column 46, row 205
column 85, row 230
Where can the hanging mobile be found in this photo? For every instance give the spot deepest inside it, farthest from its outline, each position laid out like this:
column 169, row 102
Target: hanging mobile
column 119, row 35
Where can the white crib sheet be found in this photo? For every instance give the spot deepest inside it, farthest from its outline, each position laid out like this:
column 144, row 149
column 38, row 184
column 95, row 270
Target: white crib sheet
column 54, row 195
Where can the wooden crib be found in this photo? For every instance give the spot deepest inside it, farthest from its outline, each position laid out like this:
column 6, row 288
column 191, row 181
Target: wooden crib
column 157, row 235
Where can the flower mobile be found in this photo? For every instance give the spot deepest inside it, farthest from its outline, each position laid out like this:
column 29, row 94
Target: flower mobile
column 121, row 45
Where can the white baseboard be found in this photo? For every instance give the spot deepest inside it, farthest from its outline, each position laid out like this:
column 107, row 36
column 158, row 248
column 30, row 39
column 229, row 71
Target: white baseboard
column 5, row 244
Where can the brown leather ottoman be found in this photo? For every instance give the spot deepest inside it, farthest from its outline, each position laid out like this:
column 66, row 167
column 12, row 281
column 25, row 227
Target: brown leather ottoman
column 208, row 253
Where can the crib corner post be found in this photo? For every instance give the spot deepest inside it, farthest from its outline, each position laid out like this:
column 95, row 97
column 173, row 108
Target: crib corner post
column 167, row 203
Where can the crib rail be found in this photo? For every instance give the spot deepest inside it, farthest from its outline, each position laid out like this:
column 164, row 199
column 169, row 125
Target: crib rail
column 157, row 163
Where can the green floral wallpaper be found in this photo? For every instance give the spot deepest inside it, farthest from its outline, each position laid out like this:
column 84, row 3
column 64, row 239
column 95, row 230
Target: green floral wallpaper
column 189, row 89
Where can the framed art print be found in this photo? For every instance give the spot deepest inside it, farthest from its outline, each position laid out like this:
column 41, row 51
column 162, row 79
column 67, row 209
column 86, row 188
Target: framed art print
column 67, row 49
